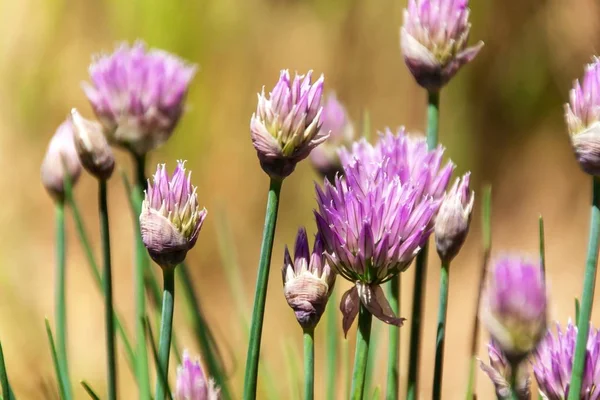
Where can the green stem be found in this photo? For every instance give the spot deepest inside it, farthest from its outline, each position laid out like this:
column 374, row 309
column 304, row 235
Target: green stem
column 309, row 364
column 108, row 297
column 6, row 392
column 61, row 303
column 393, row 371
column 416, row 326
column 64, row 393
column 260, row 296
column 332, row 348
column 361, row 356
column 141, row 265
column 587, row 298
column 441, row 332
column 514, row 382
column 166, row 328
column 433, row 117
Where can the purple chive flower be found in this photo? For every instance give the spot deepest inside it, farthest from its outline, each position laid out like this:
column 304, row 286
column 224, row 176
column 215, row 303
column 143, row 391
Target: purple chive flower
column 325, row 158
column 514, row 306
column 94, row 152
column 171, row 218
column 307, row 280
column 553, row 363
column 287, row 125
column 434, row 40
column 192, row 384
column 499, row 371
column 583, row 118
column 453, row 219
column 138, row 95
column 61, row 160
column 372, row 225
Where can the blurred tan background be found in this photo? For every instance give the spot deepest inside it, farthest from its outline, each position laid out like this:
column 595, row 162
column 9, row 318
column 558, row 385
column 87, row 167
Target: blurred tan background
column 501, row 119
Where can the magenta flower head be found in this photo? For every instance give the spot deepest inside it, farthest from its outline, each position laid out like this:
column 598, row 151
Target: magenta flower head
column 583, row 119
column 61, row 160
column 434, row 40
column 499, row 371
column 171, row 218
column 553, row 363
column 514, row 306
column 325, row 158
column 138, row 95
column 287, row 125
column 307, row 280
column 453, row 219
column 372, row 225
column 192, row 384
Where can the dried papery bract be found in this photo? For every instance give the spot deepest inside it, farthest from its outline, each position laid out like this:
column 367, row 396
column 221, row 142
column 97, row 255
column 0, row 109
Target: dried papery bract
column 192, row 383
column 499, row 371
column 94, row 152
column 138, row 95
column 434, row 40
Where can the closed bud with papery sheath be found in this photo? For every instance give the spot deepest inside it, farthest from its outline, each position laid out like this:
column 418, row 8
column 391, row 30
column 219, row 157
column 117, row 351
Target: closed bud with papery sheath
column 500, row 371
column 434, row 40
column 94, row 152
column 514, row 306
column 171, row 218
column 192, row 383
column 583, row 119
column 453, row 219
column 61, row 160
column 287, row 125
column 307, row 280
column 138, row 95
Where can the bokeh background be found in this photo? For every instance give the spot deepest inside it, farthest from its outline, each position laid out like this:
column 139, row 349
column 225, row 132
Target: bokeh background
column 501, row 118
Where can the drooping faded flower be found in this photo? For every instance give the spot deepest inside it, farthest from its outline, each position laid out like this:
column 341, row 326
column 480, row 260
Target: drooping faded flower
column 138, row 95
column 553, row 363
column 434, row 40
column 325, row 158
column 94, row 152
column 61, row 160
column 514, row 306
column 287, row 125
column 372, row 225
column 192, row 384
column 583, row 118
column 171, row 218
column 453, row 219
column 307, row 280
column 499, row 371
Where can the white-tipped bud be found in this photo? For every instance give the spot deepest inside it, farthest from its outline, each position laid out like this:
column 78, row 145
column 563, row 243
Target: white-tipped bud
column 94, row 152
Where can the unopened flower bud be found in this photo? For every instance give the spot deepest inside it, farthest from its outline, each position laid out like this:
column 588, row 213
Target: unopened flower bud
column 192, row 384
column 514, row 306
column 307, row 280
column 500, row 372
column 171, row 217
column 61, row 160
column 94, row 152
column 287, row 126
column 453, row 219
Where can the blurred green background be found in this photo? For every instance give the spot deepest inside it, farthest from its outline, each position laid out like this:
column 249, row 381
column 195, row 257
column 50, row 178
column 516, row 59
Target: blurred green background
column 501, row 118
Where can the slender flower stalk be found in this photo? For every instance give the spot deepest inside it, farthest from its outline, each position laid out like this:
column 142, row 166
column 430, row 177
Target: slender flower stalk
column 393, row 365
column 361, row 354
column 4, row 383
column 309, row 364
column 166, row 329
column 332, row 347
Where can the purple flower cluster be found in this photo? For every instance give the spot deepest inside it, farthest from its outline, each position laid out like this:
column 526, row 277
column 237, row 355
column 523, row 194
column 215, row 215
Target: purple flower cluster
column 192, row 384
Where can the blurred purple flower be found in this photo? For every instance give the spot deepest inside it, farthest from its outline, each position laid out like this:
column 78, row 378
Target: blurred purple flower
column 61, row 160
column 514, row 306
column 325, row 158
column 553, row 363
column 192, row 384
column 138, row 95
column 171, row 218
column 582, row 114
column 434, row 40
column 307, row 280
column 499, row 371
column 287, row 125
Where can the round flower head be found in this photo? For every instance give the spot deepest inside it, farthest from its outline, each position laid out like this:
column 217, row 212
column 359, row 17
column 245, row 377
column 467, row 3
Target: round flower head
column 61, row 160
column 138, row 95
column 93, row 149
column 287, row 125
column 325, row 158
column 171, row 218
column 514, row 306
column 499, row 371
column 192, row 384
column 434, row 40
column 307, row 280
column 372, row 227
column 583, row 118
column 553, row 363
column 453, row 220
